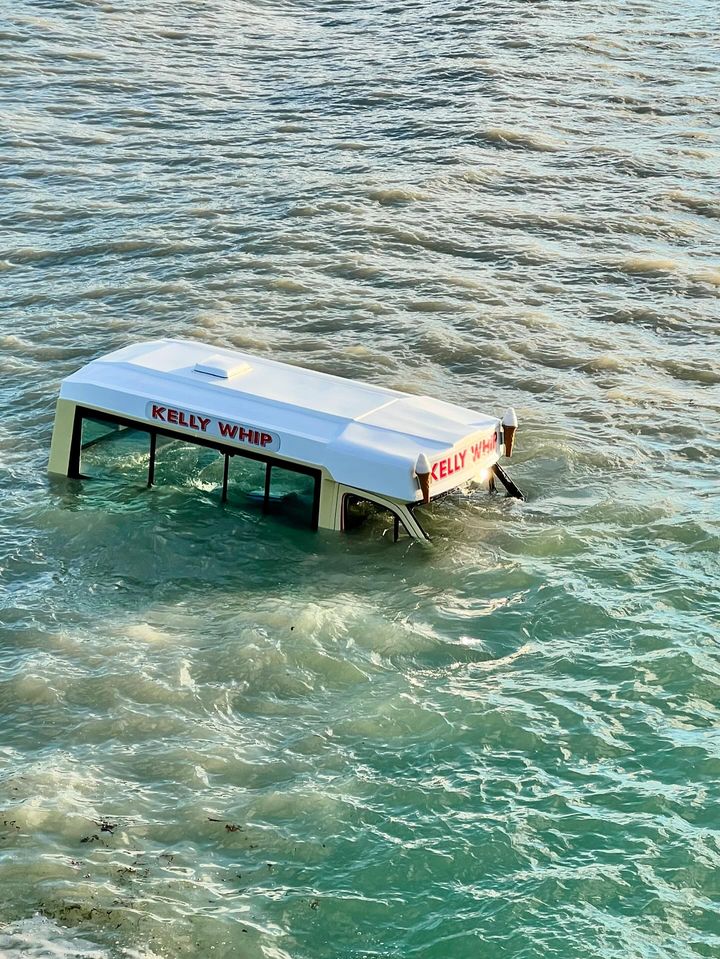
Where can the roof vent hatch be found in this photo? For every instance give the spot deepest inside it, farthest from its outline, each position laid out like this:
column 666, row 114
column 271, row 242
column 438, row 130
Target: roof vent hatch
column 221, row 366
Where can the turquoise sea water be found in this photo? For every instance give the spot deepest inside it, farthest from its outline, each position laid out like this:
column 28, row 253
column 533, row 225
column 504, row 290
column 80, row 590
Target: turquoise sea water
column 219, row 737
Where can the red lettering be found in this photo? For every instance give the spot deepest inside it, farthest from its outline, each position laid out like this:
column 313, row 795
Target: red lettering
column 455, row 463
column 181, row 419
column 265, row 438
column 172, row 416
column 226, row 429
column 193, row 422
column 157, row 412
column 204, row 420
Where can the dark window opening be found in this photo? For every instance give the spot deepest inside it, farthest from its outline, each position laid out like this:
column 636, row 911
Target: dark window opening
column 185, row 464
column 290, row 494
column 365, row 514
column 246, row 481
column 276, row 490
column 109, row 450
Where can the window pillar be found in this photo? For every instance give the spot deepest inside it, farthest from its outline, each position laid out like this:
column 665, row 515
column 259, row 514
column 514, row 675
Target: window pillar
column 226, row 468
column 266, row 500
column 151, row 465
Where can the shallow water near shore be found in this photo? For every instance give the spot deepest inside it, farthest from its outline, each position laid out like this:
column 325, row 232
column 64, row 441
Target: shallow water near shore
column 223, row 737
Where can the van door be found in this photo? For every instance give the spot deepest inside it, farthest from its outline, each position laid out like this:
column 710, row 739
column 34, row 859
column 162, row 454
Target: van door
column 357, row 509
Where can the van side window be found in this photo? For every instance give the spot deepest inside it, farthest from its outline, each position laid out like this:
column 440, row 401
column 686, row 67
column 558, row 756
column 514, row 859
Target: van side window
column 281, row 491
column 361, row 513
column 107, row 448
column 246, row 482
column 292, row 494
column 177, row 463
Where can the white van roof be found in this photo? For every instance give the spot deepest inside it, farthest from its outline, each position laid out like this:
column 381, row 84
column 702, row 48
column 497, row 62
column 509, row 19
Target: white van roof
column 365, row 436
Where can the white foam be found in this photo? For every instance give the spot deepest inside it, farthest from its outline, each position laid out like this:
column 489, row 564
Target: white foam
column 41, row 938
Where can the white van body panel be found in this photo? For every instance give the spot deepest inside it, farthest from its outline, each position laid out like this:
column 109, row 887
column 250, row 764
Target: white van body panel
column 360, row 435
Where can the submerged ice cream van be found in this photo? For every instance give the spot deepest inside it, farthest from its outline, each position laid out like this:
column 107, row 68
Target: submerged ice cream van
column 327, row 451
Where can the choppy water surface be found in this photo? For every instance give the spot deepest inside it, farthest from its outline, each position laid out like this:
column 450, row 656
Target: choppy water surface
column 226, row 739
